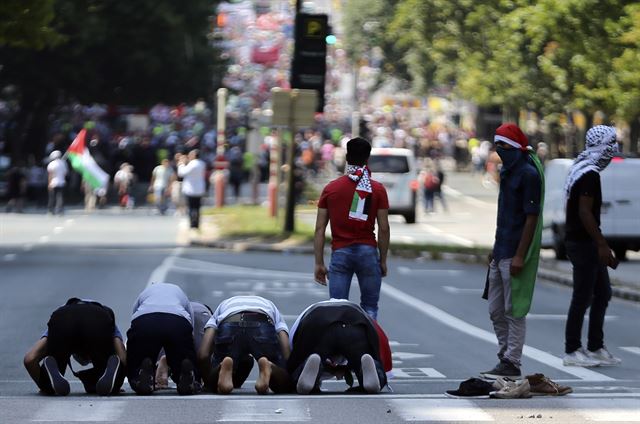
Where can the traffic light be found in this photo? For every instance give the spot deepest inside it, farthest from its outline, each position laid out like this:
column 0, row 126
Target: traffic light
column 309, row 64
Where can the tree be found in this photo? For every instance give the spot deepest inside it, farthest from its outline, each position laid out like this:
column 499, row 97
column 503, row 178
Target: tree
column 26, row 23
column 134, row 53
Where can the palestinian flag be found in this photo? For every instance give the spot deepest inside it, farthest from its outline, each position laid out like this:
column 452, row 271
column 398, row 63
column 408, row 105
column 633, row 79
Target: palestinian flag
column 82, row 161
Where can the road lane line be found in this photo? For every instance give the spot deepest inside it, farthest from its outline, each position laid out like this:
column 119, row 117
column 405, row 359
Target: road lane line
column 632, row 349
column 477, row 332
column 458, row 290
column 405, row 270
column 159, row 274
column 43, row 239
column 563, row 317
column 452, row 237
column 10, row 257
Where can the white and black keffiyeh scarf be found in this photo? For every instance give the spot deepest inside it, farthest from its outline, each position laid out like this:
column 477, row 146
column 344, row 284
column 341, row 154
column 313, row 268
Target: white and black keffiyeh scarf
column 360, row 204
column 601, row 146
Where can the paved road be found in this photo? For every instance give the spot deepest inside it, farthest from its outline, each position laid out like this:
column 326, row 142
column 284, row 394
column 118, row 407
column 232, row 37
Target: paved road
column 432, row 311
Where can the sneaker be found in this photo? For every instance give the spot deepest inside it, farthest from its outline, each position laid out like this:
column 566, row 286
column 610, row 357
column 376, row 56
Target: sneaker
column 579, row 358
column 473, row 388
column 543, row 386
column 504, row 369
column 309, row 375
column 370, row 380
column 513, row 390
column 58, row 382
column 143, row 384
column 105, row 384
column 603, row 356
column 187, row 384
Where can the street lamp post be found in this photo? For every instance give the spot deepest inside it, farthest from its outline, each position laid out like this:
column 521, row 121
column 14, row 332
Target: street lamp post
column 220, row 163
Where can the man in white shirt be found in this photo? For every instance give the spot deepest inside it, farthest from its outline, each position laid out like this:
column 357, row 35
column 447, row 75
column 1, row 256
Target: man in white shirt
column 162, row 319
column 192, row 170
column 241, row 326
column 57, row 170
column 161, row 179
column 334, row 338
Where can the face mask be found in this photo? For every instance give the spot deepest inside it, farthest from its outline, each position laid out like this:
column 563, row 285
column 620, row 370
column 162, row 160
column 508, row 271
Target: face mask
column 508, row 156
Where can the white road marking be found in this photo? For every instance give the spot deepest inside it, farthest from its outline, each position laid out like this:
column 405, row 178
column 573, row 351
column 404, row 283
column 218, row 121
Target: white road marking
column 452, row 237
column 160, row 273
column 414, row 374
column 68, row 222
column 631, row 349
column 472, row 200
column 10, row 257
column 405, row 270
column 265, row 410
column 396, row 343
column 27, row 247
column 438, row 410
column 43, row 239
column 471, row 330
column 80, row 410
column 58, row 230
column 459, row 290
column 608, row 410
column 563, row 317
column 403, row 356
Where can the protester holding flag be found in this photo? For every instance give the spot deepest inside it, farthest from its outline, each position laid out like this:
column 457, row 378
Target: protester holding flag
column 353, row 203
column 83, row 163
column 57, row 170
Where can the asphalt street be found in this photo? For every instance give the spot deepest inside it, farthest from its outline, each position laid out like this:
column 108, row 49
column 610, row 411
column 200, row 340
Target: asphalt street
column 432, row 311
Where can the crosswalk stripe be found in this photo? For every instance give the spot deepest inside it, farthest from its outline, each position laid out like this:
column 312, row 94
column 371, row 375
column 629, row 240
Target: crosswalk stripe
column 75, row 410
column 272, row 409
column 438, row 410
column 607, row 410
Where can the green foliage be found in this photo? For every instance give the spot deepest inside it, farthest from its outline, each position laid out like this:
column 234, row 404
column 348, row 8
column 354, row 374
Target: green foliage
column 26, row 24
column 544, row 55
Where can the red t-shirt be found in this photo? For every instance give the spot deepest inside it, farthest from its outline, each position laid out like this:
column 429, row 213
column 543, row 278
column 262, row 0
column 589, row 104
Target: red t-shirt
column 338, row 198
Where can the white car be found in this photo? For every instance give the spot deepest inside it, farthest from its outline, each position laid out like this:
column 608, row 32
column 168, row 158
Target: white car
column 620, row 212
column 395, row 168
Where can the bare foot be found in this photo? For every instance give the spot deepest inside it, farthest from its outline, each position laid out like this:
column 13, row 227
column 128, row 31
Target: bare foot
column 162, row 374
column 262, row 383
column 225, row 378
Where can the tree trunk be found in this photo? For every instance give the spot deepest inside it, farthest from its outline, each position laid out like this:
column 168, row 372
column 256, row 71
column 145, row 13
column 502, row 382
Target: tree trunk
column 29, row 133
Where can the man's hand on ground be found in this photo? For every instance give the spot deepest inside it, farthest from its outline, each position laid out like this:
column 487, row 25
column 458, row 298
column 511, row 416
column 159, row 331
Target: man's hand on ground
column 320, row 274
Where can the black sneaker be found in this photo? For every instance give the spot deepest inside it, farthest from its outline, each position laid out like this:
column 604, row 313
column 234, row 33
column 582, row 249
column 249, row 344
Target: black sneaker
column 143, row 384
column 472, row 388
column 105, row 384
column 59, row 384
column 187, row 384
column 504, row 369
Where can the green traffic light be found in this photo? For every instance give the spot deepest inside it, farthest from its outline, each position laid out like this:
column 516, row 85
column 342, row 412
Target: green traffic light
column 331, row 39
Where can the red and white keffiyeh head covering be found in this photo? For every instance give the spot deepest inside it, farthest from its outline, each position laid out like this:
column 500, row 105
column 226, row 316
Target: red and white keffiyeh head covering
column 600, row 147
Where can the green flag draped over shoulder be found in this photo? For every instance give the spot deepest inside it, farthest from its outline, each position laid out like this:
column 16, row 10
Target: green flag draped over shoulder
column 522, row 285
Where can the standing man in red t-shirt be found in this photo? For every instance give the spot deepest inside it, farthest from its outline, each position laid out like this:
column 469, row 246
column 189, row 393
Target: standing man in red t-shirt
column 352, row 203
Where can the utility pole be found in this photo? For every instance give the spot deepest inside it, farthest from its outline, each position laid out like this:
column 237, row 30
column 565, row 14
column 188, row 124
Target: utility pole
column 291, row 201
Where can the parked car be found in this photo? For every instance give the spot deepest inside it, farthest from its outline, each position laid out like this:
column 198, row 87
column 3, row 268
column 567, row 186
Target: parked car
column 620, row 212
column 396, row 169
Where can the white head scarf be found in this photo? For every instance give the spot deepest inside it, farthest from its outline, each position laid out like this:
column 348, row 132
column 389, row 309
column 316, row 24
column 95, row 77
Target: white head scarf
column 600, row 147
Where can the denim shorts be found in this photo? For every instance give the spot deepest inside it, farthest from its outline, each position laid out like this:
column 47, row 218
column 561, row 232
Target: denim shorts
column 238, row 339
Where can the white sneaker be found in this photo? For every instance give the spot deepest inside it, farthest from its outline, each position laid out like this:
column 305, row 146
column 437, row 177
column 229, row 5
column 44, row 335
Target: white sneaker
column 309, row 375
column 603, row 356
column 579, row 358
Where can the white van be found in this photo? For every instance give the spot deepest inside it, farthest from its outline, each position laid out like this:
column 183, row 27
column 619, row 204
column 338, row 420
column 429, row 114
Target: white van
column 620, row 212
column 396, row 169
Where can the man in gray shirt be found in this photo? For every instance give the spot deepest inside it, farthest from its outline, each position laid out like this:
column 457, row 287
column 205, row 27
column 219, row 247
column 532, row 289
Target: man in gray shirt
column 162, row 319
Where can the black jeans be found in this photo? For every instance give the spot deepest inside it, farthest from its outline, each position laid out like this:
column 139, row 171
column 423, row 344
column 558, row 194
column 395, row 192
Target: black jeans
column 343, row 339
column 591, row 288
column 150, row 333
column 56, row 200
column 85, row 330
column 194, row 210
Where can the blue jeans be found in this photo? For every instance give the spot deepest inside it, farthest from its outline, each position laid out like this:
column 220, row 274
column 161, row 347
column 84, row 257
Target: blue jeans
column 363, row 260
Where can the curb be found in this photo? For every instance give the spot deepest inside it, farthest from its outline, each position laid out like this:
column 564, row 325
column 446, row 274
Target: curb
column 302, row 249
column 567, row 280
